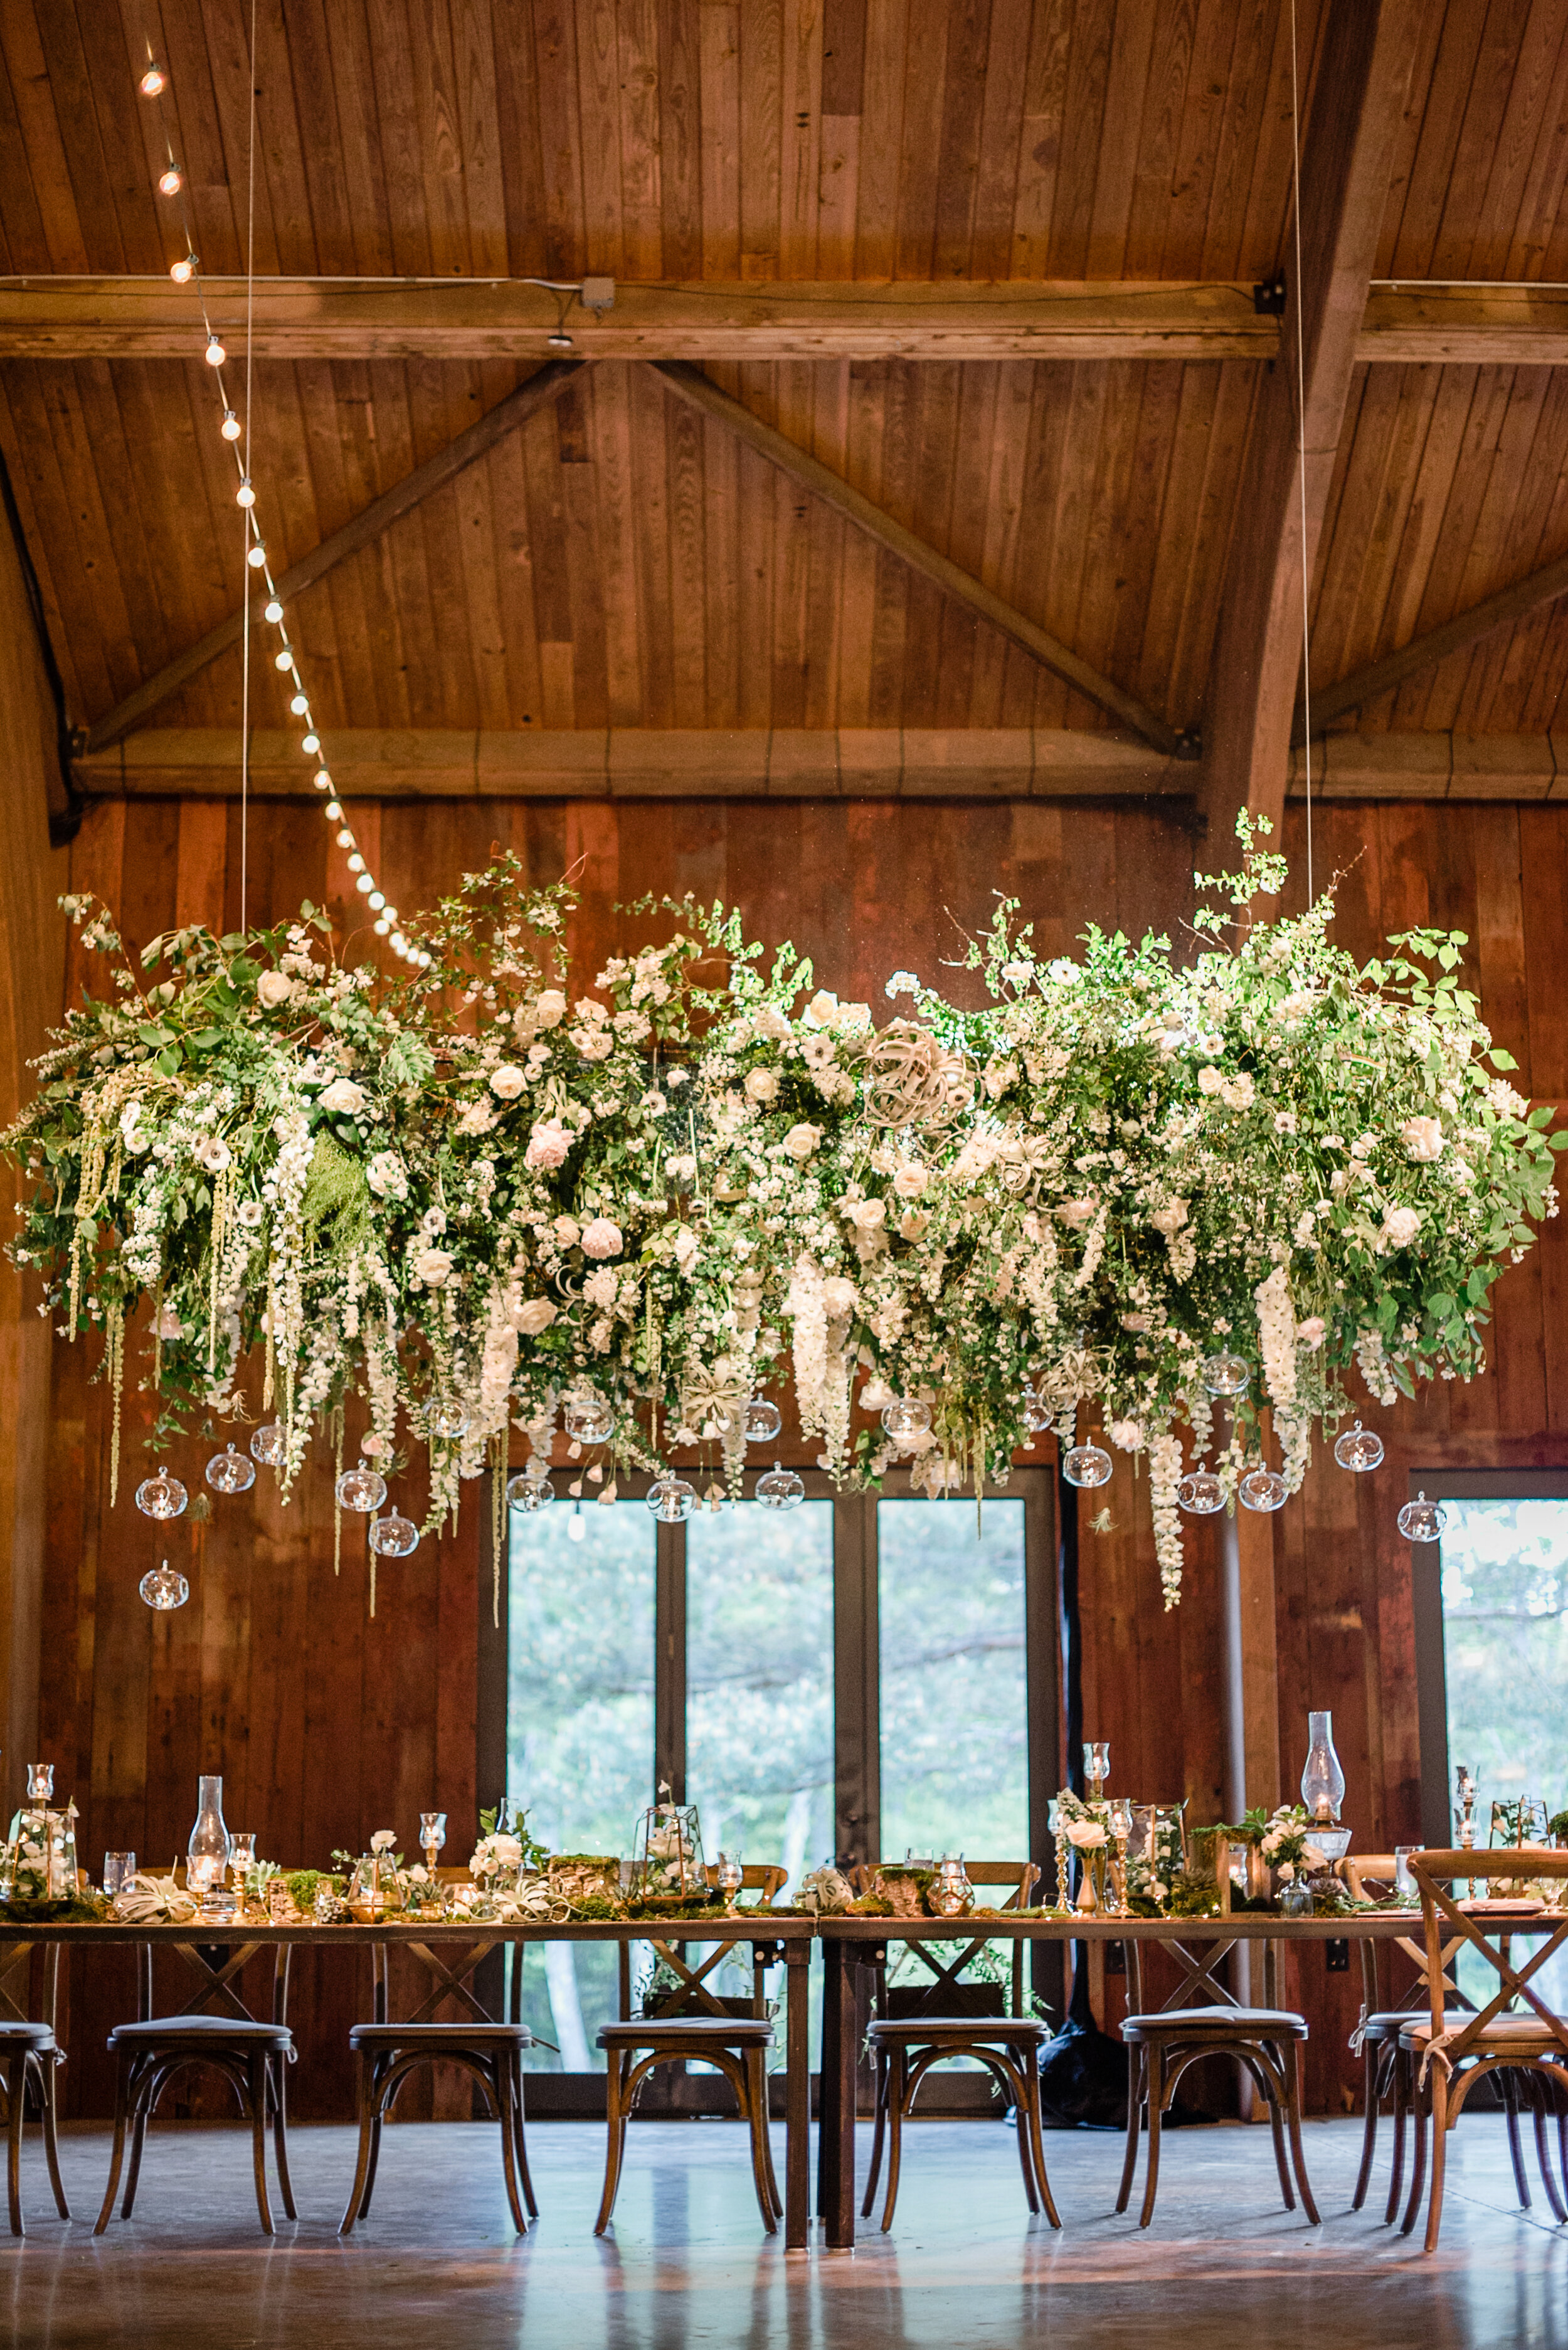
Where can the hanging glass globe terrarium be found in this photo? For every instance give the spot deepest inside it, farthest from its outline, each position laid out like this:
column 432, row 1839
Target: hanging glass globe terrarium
column 268, row 1444
column 764, row 1421
column 671, row 1500
column 1360, row 1449
column 1225, row 1374
column 361, row 1488
column 1422, row 1521
column 1034, row 1409
column 588, row 1420
column 781, row 1489
column 1087, row 1465
column 1261, row 1489
column 161, row 1496
column 448, row 1421
column 1200, row 1493
column 393, row 1536
column 165, row 1587
column 231, row 1472
column 531, row 1489
column 904, row 1416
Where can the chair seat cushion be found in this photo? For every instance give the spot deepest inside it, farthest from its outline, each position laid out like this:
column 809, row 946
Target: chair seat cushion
column 173, row 2031
column 1506, row 2032
column 1217, row 2024
column 436, row 2036
column 912, row 2032
column 36, row 2036
column 709, row 2031
column 1390, row 2022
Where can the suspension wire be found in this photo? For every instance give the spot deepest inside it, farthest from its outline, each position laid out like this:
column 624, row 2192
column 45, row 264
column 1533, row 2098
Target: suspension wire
column 246, row 623
column 1301, row 439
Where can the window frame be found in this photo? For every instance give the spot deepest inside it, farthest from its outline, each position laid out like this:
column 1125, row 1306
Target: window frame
column 1426, row 1599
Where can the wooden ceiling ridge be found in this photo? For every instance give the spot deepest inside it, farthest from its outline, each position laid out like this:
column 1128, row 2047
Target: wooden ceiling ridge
column 1360, row 91
column 509, row 415
column 1467, row 628
column 1442, row 322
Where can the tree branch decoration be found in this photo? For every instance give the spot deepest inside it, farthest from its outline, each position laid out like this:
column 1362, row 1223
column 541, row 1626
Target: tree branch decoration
column 475, row 1203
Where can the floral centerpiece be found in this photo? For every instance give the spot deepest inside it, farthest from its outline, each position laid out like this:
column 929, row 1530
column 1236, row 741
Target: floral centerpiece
column 474, row 1202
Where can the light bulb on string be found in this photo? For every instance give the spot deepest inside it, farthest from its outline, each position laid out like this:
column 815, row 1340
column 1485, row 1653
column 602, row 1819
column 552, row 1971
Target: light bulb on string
column 272, row 610
column 183, row 270
column 377, row 901
column 300, row 704
column 283, row 661
column 382, row 928
column 310, row 745
column 257, row 556
column 244, row 496
column 153, row 83
column 215, row 353
column 322, row 779
column 230, row 427
column 170, row 183
column 345, row 838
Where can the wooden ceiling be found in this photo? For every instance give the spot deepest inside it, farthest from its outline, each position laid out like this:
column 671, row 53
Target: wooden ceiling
column 624, row 562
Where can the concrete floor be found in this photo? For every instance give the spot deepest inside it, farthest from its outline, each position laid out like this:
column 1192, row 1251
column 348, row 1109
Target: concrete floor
column 964, row 2270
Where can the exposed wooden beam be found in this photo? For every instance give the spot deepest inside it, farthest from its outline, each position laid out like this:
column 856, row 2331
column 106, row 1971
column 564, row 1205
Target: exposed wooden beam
column 798, row 763
column 366, row 525
column 1363, row 76
column 689, row 383
column 633, row 763
column 1467, row 628
column 465, row 318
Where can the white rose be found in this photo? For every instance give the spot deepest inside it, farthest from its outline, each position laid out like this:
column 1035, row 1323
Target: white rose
column 1170, row 1219
column 601, row 1237
column 802, row 1141
column 1272, row 1842
column 1422, row 1138
column 547, row 1143
column 1287, row 1871
column 506, row 1850
column 568, row 1231
column 1209, row 1081
column 593, row 1044
column 343, row 1099
column 821, row 1011
column 1313, row 1860
column 1400, row 1226
column 535, row 1313
column 273, row 988
column 910, row 1180
column 386, row 1177
column 914, row 1223
column 383, row 1840
column 507, row 1082
column 1237, row 1093
column 1309, row 1333
column 1076, row 1213
column 838, row 1295
column 549, row 1008
column 761, row 1085
column 1087, row 1834
column 867, row 1215
column 431, row 1265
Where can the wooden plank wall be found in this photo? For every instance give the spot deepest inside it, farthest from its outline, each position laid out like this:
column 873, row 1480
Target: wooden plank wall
column 327, row 1726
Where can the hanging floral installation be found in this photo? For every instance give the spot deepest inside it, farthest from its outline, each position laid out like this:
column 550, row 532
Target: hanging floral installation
column 1255, row 1176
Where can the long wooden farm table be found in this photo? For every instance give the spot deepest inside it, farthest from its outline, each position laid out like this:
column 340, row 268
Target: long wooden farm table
column 449, row 1952
column 1200, row 1944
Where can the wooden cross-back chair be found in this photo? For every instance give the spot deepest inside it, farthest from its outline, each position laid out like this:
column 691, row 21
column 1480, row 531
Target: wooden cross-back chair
column 1515, row 2032
column 916, row 2026
column 30, row 2058
column 690, row 2022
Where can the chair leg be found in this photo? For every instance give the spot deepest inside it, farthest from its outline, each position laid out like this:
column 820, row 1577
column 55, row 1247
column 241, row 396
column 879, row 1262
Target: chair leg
column 117, row 2156
column 137, row 2140
column 376, row 2119
column 1264, row 2076
column 525, row 2181
column 362, row 2165
column 1026, row 2158
column 1400, row 2077
column 747, row 2075
column 758, row 2068
column 1137, row 2058
column 16, row 2103
column 277, row 2075
column 47, row 2075
column 615, row 2080
column 1372, row 2053
column 879, row 2132
column 255, row 2084
column 503, row 2088
column 1155, row 2097
column 1031, row 2071
column 1440, row 2087
column 1508, row 2086
column 897, row 2070
column 1420, row 2123
column 1292, row 2072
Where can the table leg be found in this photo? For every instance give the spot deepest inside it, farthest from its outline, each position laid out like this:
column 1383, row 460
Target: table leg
column 797, row 2096
column 835, row 2121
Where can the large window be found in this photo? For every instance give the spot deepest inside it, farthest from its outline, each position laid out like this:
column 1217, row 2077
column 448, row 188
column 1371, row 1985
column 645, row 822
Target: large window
column 855, row 1678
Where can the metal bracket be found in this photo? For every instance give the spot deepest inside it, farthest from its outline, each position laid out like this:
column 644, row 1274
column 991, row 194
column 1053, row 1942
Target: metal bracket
column 1269, row 297
column 1189, row 746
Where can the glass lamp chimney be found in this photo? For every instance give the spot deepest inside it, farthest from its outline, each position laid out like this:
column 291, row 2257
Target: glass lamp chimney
column 1323, row 1781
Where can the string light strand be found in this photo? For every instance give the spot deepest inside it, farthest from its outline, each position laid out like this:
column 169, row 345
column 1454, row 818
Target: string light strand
column 186, row 270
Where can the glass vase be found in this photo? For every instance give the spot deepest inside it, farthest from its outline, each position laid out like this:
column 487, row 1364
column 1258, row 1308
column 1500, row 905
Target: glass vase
column 207, row 1854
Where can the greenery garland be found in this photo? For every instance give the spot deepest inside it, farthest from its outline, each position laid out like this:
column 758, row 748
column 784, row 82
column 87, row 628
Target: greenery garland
column 474, row 1201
